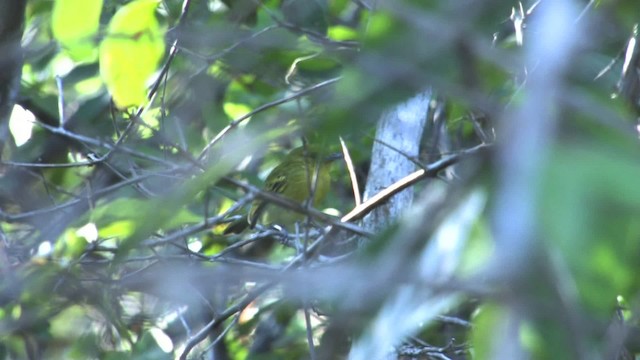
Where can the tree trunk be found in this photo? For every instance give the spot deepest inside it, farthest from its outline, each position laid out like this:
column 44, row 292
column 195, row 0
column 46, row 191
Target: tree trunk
column 11, row 27
column 397, row 137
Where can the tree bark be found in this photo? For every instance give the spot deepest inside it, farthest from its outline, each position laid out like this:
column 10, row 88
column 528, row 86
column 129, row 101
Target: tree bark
column 398, row 137
column 12, row 14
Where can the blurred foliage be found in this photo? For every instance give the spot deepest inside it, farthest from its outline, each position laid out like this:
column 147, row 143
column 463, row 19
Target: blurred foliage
column 112, row 245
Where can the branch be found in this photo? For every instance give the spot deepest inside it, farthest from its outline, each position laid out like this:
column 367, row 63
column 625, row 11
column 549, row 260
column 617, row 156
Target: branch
column 266, row 106
column 429, row 171
column 89, row 197
column 299, row 208
column 204, row 332
column 11, row 28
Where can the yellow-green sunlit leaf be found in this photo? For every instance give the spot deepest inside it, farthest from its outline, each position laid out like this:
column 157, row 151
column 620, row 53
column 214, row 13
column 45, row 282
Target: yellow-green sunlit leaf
column 74, row 24
column 130, row 52
column 341, row 33
column 235, row 111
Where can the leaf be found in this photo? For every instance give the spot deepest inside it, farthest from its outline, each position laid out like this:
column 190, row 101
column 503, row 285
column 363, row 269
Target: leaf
column 114, row 218
column 74, row 24
column 235, row 110
column 307, row 14
column 130, row 52
column 485, row 322
column 589, row 212
column 341, row 33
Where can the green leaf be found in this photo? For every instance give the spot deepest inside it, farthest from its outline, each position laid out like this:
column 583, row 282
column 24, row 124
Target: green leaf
column 235, row 110
column 589, row 212
column 164, row 208
column 130, row 52
column 113, row 219
column 70, row 245
column 486, row 321
column 74, row 24
column 341, row 33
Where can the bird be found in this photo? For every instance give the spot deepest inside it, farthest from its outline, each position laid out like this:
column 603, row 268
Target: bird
column 303, row 171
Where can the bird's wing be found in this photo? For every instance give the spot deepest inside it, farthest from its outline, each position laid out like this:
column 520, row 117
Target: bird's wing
column 276, row 185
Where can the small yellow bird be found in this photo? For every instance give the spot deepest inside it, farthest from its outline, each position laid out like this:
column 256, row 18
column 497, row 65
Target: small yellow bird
column 302, row 170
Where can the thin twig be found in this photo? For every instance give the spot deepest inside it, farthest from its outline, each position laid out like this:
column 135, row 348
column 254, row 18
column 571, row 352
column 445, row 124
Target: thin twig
column 49, row 165
column 207, row 223
column 109, row 146
column 249, row 297
column 186, row 4
column 307, row 320
column 61, row 114
column 222, row 334
column 230, row 311
column 261, row 108
column 104, row 191
column 454, row 320
column 413, row 159
column 294, row 206
column 352, row 173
